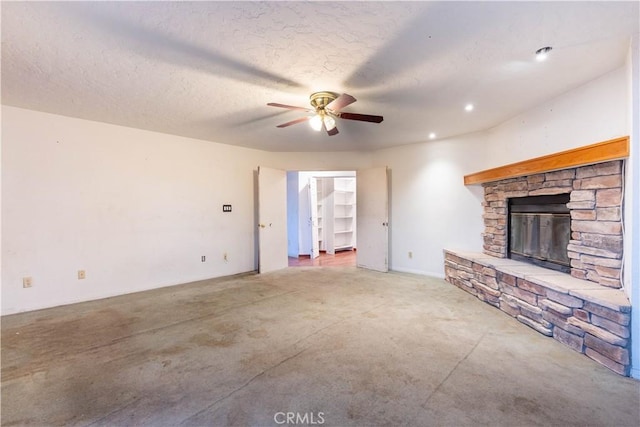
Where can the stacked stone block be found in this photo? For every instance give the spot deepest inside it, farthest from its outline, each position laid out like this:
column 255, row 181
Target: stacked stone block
column 595, row 248
column 589, row 327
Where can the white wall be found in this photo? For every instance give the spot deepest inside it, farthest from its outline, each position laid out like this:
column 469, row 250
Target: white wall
column 329, row 174
column 431, row 209
column 591, row 113
column 135, row 209
column 326, row 161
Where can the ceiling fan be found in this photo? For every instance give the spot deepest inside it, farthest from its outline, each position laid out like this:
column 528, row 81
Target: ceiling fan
column 327, row 107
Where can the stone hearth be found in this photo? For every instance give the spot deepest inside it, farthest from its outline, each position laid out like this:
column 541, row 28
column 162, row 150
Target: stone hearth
column 588, row 318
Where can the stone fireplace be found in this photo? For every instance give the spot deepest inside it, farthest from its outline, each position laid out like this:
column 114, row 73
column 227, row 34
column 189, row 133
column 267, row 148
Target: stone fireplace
column 595, row 198
column 553, row 249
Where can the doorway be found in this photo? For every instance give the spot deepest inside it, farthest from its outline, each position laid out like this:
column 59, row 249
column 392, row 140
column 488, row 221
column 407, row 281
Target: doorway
column 274, row 239
column 321, row 218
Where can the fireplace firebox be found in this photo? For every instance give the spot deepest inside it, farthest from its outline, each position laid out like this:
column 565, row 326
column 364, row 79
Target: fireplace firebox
column 540, row 230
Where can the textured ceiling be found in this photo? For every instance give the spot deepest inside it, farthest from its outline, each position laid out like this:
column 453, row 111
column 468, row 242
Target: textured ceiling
column 207, row 69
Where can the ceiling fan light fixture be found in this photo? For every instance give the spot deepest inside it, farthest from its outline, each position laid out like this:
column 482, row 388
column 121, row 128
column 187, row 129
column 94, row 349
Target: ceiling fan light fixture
column 316, row 123
column 329, row 122
column 542, row 53
column 327, row 107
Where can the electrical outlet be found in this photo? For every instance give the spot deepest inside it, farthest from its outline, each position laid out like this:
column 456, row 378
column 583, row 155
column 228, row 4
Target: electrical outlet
column 27, row 282
column 82, row 274
column 225, row 257
column 203, row 258
column 410, row 255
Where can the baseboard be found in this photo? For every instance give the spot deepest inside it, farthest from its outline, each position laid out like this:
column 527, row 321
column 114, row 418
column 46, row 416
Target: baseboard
column 419, row 272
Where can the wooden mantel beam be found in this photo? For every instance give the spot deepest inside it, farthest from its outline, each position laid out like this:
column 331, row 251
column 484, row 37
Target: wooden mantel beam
column 605, row 151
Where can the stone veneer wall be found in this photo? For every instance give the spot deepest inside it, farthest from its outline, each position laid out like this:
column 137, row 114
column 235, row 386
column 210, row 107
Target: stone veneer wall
column 588, row 318
column 595, row 248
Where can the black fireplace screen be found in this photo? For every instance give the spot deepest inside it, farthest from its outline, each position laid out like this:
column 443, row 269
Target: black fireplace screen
column 540, row 230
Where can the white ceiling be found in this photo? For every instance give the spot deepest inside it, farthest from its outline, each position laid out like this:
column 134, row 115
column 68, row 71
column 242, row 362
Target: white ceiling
column 207, row 69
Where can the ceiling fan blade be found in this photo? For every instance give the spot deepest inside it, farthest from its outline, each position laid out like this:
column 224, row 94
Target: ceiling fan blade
column 340, row 102
column 332, row 132
column 293, row 122
column 361, row 117
column 289, row 107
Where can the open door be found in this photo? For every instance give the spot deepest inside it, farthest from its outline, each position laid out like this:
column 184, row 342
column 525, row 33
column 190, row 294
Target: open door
column 313, row 218
column 272, row 219
column 372, row 215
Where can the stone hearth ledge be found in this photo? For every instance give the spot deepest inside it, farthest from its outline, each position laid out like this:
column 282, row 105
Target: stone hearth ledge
column 587, row 317
column 615, row 299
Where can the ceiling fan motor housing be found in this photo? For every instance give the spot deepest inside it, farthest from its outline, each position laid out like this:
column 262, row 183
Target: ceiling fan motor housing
column 319, row 100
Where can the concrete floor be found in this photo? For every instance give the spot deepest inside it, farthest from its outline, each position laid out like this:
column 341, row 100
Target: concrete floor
column 338, row 346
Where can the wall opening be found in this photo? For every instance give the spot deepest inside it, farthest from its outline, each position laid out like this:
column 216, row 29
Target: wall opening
column 321, row 217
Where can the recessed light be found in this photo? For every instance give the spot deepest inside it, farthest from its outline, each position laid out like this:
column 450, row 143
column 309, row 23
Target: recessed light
column 432, row 135
column 468, row 107
column 542, row 53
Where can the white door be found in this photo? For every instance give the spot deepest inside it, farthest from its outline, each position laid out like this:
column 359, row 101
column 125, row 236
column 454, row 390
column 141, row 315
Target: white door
column 313, row 219
column 272, row 219
column 372, row 217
